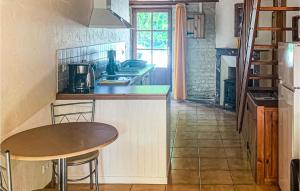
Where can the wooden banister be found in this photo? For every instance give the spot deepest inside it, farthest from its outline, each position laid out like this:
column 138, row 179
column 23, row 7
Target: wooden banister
column 248, row 33
column 248, row 48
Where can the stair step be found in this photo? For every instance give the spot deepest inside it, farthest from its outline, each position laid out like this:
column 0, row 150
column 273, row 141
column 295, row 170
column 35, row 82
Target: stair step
column 264, row 47
column 263, row 62
column 275, row 29
column 261, row 77
column 279, row 9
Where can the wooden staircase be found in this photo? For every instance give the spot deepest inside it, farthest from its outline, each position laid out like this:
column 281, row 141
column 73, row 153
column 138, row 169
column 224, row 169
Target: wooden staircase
column 249, row 68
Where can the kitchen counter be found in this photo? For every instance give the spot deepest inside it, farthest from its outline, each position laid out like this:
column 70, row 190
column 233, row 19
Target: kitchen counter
column 145, row 92
column 132, row 75
column 141, row 115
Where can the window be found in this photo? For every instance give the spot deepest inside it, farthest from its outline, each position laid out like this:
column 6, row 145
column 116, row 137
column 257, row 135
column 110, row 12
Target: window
column 152, row 36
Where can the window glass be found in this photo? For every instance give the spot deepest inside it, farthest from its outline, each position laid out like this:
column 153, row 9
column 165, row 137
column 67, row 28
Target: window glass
column 152, row 37
column 160, row 21
column 160, row 40
column 160, row 58
column 144, row 20
column 144, row 55
column 143, row 40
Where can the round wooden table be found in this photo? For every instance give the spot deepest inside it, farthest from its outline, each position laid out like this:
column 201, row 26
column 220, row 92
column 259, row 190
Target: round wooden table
column 58, row 142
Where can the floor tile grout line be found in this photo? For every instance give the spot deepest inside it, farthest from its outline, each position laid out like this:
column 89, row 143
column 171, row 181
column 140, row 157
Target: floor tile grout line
column 219, row 131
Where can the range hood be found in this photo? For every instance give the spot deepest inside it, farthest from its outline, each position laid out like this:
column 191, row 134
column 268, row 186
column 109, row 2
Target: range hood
column 103, row 16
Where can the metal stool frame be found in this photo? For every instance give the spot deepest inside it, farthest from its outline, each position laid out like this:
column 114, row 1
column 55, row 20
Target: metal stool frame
column 90, row 162
column 7, row 169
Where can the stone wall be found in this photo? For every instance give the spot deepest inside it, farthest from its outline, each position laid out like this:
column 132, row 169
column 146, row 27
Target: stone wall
column 201, row 56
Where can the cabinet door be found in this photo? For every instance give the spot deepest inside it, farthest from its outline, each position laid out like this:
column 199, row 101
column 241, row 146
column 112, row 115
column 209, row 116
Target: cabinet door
column 271, row 146
column 245, row 128
column 252, row 146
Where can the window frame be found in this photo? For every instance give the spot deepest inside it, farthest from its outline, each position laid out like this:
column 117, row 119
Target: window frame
column 169, row 31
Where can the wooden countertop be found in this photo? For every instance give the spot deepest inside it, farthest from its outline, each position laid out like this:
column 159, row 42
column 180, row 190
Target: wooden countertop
column 59, row 141
column 146, row 92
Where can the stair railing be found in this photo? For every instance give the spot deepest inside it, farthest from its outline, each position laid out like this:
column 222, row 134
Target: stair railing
column 247, row 38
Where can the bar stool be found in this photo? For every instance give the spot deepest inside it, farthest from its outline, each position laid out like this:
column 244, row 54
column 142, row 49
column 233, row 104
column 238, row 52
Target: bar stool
column 5, row 173
column 77, row 112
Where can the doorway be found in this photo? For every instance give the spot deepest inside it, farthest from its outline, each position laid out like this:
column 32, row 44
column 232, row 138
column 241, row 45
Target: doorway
column 152, row 42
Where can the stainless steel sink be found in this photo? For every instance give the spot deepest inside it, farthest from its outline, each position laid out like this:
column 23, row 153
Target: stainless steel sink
column 116, row 80
column 128, row 70
column 264, row 96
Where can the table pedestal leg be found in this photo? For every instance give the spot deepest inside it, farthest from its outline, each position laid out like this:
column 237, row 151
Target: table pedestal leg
column 62, row 175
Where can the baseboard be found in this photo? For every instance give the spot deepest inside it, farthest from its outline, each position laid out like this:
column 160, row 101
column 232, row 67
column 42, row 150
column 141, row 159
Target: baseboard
column 127, row 180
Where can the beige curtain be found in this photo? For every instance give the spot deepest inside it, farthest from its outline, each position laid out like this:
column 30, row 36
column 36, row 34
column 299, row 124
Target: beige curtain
column 179, row 53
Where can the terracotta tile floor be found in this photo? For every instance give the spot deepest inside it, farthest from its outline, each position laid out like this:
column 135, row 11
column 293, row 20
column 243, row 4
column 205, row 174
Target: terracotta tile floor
column 206, row 154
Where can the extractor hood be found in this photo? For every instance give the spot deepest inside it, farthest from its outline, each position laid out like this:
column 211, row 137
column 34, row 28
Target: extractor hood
column 103, row 16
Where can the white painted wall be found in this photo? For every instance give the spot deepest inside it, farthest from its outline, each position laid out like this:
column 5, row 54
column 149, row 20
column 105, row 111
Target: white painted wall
column 31, row 32
column 225, row 24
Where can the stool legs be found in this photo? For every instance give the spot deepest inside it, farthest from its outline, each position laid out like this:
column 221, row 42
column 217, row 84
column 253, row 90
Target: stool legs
column 91, row 175
column 96, row 175
column 8, row 171
column 53, row 181
column 62, row 178
column 62, row 175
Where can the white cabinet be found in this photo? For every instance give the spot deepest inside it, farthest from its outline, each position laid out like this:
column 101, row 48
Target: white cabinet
column 140, row 155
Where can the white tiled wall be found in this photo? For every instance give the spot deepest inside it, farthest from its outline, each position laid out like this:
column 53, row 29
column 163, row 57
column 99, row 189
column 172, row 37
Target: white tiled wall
column 94, row 53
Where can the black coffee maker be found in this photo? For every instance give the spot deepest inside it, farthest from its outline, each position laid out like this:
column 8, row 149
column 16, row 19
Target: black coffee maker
column 111, row 67
column 78, row 74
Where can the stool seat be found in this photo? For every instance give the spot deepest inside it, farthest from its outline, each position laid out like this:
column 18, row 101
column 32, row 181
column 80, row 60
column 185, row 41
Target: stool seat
column 80, row 159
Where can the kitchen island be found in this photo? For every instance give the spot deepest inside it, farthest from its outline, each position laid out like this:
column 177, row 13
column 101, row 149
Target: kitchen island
column 141, row 116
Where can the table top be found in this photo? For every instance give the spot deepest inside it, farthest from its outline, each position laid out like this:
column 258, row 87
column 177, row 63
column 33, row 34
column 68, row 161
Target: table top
column 59, row 141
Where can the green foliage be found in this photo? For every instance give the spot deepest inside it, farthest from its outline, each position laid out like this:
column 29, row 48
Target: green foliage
column 160, row 21
column 143, row 40
column 160, row 40
column 152, row 33
column 144, row 20
column 152, row 21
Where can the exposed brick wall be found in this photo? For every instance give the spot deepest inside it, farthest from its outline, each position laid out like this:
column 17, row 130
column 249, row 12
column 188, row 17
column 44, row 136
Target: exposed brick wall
column 201, row 57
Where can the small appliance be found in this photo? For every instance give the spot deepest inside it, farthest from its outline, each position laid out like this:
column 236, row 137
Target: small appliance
column 81, row 78
column 111, row 67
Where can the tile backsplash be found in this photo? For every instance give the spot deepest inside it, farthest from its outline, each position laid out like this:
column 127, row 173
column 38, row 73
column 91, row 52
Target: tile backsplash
column 94, row 53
